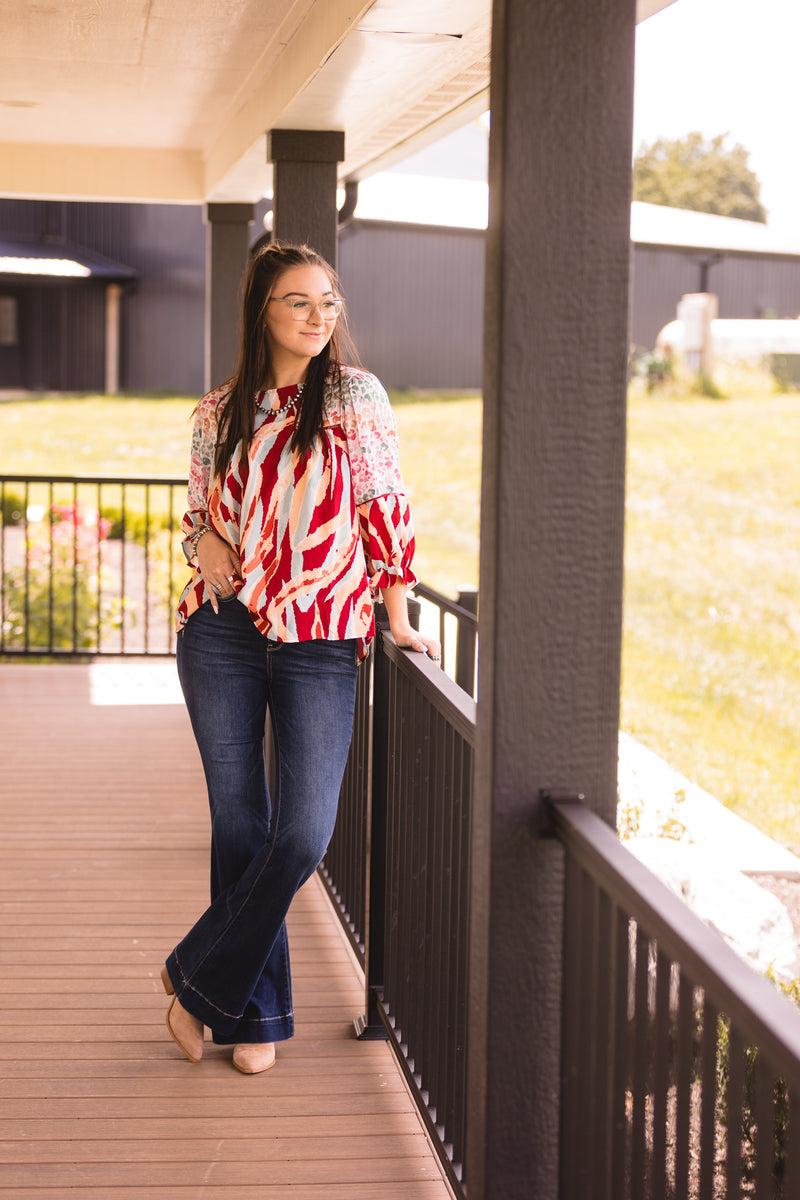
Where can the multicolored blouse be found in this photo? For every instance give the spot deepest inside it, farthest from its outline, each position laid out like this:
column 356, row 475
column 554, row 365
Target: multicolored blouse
column 317, row 534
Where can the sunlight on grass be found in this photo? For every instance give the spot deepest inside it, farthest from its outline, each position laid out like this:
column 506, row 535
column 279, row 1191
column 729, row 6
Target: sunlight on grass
column 711, row 656
column 95, row 435
column 440, row 453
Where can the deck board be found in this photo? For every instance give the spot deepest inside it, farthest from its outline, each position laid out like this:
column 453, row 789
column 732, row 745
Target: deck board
column 103, row 865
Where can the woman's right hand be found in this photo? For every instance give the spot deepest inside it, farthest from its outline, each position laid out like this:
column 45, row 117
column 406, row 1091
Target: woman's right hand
column 219, row 566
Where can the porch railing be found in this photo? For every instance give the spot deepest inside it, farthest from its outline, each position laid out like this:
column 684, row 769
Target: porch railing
column 681, row 1065
column 398, row 870
column 92, row 565
column 455, row 623
column 89, row 564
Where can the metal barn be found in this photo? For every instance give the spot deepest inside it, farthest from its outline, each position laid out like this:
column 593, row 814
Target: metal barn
column 415, row 292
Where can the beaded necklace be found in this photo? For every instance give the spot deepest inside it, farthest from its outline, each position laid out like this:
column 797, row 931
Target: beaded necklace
column 273, row 412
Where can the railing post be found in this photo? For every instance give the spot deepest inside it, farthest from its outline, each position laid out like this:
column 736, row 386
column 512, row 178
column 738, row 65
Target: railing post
column 370, row 1026
column 466, row 642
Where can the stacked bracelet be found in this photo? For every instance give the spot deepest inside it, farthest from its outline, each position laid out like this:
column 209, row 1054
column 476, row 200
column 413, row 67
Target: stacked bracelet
column 195, row 538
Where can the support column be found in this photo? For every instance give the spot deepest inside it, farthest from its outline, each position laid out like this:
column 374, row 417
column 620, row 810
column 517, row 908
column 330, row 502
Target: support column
column 304, row 187
column 227, row 244
column 551, row 544
column 113, row 293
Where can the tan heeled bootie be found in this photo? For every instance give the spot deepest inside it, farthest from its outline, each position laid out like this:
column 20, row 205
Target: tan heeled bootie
column 184, row 1029
column 253, row 1057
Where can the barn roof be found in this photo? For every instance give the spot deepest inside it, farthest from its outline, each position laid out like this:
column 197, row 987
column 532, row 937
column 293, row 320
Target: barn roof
column 657, row 225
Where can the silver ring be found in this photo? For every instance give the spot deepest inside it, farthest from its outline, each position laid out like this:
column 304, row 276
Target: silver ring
column 214, row 588
column 230, row 579
column 436, row 657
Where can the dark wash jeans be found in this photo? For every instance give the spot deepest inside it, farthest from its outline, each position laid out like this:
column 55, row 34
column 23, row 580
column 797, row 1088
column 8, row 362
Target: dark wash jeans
column 231, row 971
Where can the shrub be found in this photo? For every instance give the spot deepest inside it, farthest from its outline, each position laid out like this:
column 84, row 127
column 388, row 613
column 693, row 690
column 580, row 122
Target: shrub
column 704, row 386
column 133, row 526
column 55, row 599
column 749, row 1126
column 786, row 371
column 657, row 369
column 669, row 824
column 13, row 508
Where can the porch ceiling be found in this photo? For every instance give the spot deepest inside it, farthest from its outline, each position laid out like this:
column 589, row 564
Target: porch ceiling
column 170, row 100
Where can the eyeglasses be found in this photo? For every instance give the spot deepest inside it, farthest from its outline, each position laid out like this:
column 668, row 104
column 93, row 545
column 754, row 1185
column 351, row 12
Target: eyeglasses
column 303, row 309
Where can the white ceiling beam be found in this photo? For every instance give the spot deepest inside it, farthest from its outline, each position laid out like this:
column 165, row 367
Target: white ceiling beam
column 187, row 124
column 42, row 172
column 294, row 57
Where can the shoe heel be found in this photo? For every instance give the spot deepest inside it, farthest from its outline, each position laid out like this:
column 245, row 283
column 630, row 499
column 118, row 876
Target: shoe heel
column 167, row 982
column 196, row 1057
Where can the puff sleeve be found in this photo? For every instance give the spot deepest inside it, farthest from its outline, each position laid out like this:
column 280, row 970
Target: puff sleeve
column 387, row 530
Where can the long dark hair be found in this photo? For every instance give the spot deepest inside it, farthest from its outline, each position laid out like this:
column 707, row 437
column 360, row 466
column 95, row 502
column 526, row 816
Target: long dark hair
column 253, row 360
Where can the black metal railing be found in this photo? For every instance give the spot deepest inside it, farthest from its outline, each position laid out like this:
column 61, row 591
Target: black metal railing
column 407, row 915
column 422, row 996
column 346, row 869
column 455, row 623
column 681, row 1065
column 89, row 564
column 347, row 859
column 92, row 565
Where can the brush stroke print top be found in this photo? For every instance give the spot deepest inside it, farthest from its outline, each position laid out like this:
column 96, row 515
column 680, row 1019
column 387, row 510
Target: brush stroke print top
column 318, row 534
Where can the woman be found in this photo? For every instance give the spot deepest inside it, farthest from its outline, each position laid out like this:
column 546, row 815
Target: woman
column 296, row 518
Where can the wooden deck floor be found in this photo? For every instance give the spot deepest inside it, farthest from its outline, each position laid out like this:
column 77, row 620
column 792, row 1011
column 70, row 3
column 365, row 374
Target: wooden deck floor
column 103, row 866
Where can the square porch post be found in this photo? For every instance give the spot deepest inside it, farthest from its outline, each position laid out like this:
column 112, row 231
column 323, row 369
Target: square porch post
column 227, row 245
column 304, row 206
column 551, row 544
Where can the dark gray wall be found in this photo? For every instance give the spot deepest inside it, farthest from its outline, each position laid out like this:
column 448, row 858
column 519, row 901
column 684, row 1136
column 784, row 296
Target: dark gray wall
column 415, row 297
column 163, row 321
column 415, row 302
column 62, row 326
column 61, row 329
column 747, row 286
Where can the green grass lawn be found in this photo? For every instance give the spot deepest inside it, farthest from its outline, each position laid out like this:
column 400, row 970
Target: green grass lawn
column 440, row 451
column 95, row 435
column 711, row 657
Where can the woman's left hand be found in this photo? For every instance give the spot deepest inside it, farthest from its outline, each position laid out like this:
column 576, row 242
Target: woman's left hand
column 395, row 601
column 411, row 640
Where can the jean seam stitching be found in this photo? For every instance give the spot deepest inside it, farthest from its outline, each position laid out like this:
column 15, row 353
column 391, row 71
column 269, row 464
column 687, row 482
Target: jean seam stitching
column 224, row 932
column 230, row 924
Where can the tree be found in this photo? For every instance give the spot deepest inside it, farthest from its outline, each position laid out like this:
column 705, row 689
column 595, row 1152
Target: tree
column 704, row 176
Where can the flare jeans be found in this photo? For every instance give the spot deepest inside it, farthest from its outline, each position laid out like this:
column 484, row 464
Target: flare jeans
column 231, row 970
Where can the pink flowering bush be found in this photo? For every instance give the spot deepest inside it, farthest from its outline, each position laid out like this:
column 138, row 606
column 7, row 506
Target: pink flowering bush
column 61, row 583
